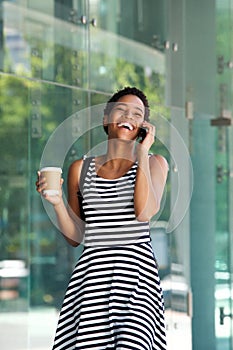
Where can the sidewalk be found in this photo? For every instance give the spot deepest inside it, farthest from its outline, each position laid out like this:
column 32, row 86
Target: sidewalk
column 28, row 331
column 35, row 330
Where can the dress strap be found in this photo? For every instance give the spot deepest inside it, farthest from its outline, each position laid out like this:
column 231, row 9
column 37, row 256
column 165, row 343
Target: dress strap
column 85, row 166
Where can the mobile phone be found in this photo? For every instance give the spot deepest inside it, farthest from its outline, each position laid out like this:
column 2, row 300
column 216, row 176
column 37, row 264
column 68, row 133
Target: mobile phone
column 142, row 133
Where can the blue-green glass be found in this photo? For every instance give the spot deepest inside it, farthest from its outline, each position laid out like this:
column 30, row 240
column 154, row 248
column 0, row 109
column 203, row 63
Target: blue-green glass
column 224, row 265
column 123, row 54
column 51, row 41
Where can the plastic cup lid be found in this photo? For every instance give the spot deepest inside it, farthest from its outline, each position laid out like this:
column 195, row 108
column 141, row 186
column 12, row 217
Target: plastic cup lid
column 51, row 168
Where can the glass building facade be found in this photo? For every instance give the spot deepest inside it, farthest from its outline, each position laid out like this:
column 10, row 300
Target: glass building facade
column 59, row 62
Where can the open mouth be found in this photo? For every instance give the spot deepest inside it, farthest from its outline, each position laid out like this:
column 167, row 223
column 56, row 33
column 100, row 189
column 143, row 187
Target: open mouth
column 126, row 125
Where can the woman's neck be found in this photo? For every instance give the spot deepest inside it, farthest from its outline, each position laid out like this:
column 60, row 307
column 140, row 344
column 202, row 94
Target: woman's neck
column 117, row 161
column 120, row 149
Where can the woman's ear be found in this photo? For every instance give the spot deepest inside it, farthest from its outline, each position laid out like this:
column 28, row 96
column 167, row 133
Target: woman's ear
column 105, row 120
column 105, row 123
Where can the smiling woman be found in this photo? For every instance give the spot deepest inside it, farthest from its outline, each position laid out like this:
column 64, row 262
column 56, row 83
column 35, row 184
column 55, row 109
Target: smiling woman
column 114, row 299
column 126, row 114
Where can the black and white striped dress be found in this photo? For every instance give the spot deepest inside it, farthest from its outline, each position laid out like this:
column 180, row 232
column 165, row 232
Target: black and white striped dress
column 114, row 299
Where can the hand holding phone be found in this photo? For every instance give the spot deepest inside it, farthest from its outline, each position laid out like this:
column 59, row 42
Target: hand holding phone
column 142, row 134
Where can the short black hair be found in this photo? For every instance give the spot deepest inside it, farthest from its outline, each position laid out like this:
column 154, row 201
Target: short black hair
column 123, row 92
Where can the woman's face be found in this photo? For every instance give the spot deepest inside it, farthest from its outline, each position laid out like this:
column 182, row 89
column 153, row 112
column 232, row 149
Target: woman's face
column 125, row 118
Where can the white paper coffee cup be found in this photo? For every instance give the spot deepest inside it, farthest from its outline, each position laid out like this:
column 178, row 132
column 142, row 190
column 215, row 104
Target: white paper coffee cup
column 52, row 177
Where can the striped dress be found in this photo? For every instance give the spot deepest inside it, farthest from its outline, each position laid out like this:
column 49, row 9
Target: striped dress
column 114, row 299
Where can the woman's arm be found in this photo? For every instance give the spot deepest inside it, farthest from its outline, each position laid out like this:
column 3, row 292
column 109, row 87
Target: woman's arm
column 68, row 217
column 150, row 178
column 149, row 187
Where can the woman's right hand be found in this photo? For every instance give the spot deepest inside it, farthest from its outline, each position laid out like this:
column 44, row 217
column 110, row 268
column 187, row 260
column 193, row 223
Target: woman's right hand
column 41, row 186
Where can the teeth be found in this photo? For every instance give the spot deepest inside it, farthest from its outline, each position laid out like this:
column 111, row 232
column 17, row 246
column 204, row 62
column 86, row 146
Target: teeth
column 126, row 125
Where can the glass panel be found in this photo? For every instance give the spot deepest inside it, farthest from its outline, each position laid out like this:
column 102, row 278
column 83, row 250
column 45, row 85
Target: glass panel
column 174, row 234
column 230, row 194
column 51, row 46
column 224, row 267
column 57, row 142
column 223, row 292
column 14, row 212
column 35, row 260
column 123, row 54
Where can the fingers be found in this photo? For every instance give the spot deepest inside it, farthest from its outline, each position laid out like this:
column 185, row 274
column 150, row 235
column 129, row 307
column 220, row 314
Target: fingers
column 144, row 146
column 40, row 183
column 151, row 128
column 150, row 136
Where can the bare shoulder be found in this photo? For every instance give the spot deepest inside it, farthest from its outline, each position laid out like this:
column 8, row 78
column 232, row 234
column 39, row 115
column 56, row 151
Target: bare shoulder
column 158, row 161
column 76, row 165
column 74, row 172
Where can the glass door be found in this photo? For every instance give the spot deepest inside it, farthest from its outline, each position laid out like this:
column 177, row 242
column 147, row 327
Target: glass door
column 230, row 211
column 223, row 265
column 176, row 282
column 224, row 199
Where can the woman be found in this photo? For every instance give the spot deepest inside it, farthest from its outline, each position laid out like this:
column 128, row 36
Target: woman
column 114, row 299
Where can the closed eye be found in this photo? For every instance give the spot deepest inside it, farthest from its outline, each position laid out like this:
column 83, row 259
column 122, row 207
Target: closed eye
column 138, row 115
column 119, row 109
